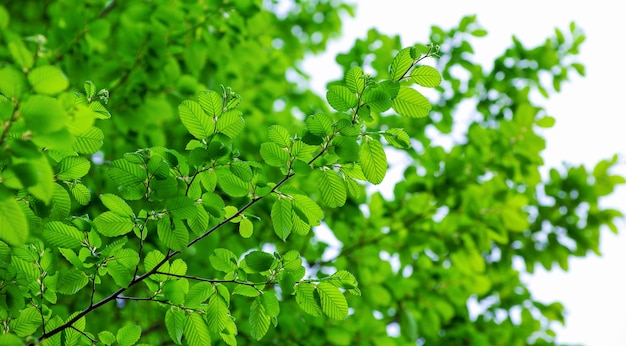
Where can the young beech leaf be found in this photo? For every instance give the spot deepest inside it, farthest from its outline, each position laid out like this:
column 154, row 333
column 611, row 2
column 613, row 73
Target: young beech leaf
column 195, row 120
column 341, row 98
column 373, row 160
column 334, row 304
column 211, row 102
column 175, row 324
column 199, row 293
column 246, row 228
column 111, row 224
column 377, row 100
column 71, row 281
column 281, row 217
column 13, row 222
column 307, row 300
column 320, row 124
column 59, row 234
column 398, row 138
column 426, row 76
column 72, row 167
column 258, row 319
column 223, row 260
column 279, row 135
column 116, row 204
column 332, row 188
column 28, row 321
column 274, row 155
column 230, row 123
column 259, row 261
column 173, row 235
column 106, row 337
column 410, row 103
column 196, row 332
column 401, row 64
column 128, row 335
column 354, row 80
column 89, row 141
column 217, row 313
column 48, row 80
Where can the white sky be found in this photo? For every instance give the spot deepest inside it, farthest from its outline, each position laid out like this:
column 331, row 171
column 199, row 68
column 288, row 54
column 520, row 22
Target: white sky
column 589, row 114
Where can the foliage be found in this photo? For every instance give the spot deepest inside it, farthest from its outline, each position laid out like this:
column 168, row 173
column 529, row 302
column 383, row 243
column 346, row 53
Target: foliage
column 166, row 206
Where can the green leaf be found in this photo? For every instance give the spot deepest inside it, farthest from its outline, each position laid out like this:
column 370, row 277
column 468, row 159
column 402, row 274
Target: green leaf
column 279, row 135
column 195, row 120
column 71, row 257
column 274, row 155
column 196, row 331
column 333, row 189
column 11, row 339
column 345, row 280
column 121, row 275
column 13, row 222
column 174, row 291
column 217, row 313
column 181, row 207
column 208, row 180
column 281, row 217
column 130, row 177
column 89, row 141
column 245, row 290
column 410, row 103
column 211, row 102
column 334, row 304
column 44, row 188
column 306, row 299
column 230, row 123
column 231, row 184
column 377, row 100
column 320, row 124
column 20, row 54
column 270, row 303
column 116, row 205
column 12, row 82
column 28, row 321
column 223, row 260
column 174, row 236
column 90, row 89
column 71, row 282
column 354, row 80
column 199, row 293
column 81, row 193
column 341, row 98
column 128, row 258
column 426, row 76
column 246, row 228
column 58, row 234
column 106, row 337
column 398, row 138
column 111, row 224
column 373, row 160
column 259, row 261
column 309, row 208
column 175, row 324
column 401, row 63
column 229, row 333
column 546, row 122
column 43, row 114
column 128, row 335
column 48, row 80
column 259, row 320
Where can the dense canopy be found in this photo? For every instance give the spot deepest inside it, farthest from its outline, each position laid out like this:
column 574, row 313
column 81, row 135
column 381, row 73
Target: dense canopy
column 168, row 177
